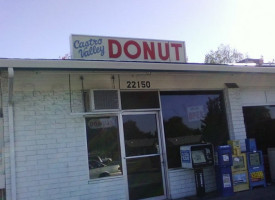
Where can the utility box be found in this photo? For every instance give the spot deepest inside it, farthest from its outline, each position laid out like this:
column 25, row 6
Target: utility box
column 255, row 165
column 239, row 167
column 197, row 156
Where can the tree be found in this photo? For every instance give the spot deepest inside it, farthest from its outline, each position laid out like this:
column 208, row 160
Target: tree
column 225, row 54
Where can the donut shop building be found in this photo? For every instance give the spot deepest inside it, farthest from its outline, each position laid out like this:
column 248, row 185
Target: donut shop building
column 109, row 122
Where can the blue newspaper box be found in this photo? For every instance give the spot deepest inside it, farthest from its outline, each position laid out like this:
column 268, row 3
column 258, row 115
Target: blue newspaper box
column 255, row 164
column 223, row 163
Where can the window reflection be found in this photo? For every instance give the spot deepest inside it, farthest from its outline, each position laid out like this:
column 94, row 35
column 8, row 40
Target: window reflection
column 103, row 146
column 140, row 133
column 139, row 100
column 144, row 177
column 190, row 118
column 260, row 124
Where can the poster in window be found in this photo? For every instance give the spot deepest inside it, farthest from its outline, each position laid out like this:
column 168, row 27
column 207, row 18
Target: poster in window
column 97, row 123
column 195, row 113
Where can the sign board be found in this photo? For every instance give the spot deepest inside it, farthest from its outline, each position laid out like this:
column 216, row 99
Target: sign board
column 185, row 156
column 123, row 49
column 257, row 176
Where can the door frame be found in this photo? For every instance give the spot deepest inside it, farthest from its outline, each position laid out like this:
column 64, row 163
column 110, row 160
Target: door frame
column 161, row 150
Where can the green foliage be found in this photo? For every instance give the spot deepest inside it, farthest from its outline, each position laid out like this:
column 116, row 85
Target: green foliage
column 223, row 55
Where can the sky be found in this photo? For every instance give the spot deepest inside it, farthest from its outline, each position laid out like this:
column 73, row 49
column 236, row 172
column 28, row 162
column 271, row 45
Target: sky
column 41, row 29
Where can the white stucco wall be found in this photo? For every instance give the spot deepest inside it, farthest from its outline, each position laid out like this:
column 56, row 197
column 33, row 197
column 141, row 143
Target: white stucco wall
column 182, row 182
column 235, row 118
column 258, row 96
column 50, row 148
column 50, row 141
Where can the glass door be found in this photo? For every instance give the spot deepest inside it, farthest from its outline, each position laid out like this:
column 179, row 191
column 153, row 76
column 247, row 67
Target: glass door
column 143, row 157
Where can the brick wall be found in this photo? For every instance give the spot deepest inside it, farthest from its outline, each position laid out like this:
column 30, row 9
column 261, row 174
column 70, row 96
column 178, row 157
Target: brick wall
column 50, row 149
column 50, row 142
column 235, row 117
column 182, row 182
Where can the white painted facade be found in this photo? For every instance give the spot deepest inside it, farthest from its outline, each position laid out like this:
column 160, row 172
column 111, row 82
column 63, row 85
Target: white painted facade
column 50, row 147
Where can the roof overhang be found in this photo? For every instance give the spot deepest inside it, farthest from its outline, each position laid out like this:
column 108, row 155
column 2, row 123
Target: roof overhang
column 128, row 66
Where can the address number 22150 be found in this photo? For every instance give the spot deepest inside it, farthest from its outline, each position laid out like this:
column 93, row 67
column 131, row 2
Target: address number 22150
column 138, row 84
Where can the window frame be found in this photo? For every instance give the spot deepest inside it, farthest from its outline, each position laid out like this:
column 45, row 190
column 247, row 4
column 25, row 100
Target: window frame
column 139, row 109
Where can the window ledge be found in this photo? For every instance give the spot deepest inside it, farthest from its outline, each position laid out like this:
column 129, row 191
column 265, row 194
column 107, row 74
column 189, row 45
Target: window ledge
column 107, row 179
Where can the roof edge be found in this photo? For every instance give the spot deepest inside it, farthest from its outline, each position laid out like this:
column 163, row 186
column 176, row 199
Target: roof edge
column 127, row 65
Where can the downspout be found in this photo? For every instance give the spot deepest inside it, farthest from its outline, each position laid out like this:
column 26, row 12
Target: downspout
column 11, row 132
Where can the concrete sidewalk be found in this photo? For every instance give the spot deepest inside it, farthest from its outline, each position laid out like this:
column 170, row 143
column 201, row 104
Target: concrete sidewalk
column 258, row 193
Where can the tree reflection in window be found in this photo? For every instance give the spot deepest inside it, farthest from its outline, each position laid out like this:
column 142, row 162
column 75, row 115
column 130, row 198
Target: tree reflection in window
column 140, row 133
column 260, row 124
column 191, row 118
column 103, row 146
column 214, row 125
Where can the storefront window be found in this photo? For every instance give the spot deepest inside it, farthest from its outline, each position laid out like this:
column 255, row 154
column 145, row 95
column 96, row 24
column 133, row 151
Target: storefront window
column 260, row 124
column 190, row 118
column 103, row 146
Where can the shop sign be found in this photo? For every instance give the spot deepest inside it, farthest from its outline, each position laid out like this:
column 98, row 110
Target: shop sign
column 123, row 49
